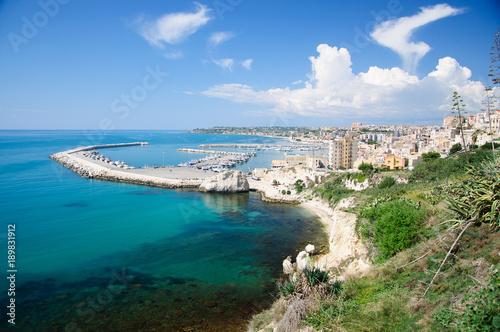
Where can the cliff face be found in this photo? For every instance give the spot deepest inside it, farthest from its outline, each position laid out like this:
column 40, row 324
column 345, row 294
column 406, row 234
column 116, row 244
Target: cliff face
column 347, row 255
column 227, row 182
column 357, row 186
column 290, row 175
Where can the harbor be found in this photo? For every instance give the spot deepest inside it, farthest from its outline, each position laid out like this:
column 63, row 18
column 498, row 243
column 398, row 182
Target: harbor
column 217, row 161
column 88, row 163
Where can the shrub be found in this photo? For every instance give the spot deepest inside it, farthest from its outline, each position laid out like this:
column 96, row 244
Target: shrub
column 299, row 186
column 455, row 148
column 365, row 167
column 483, row 314
column 316, row 276
column 283, row 191
column 487, row 146
column 286, row 288
column 288, row 192
column 387, row 182
column 397, row 225
column 431, row 156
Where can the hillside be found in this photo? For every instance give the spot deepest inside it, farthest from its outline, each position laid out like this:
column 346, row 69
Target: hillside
column 408, row 222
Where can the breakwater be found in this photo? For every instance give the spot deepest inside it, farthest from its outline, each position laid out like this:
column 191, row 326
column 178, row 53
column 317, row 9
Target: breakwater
column 87, row 168
column 105, row 146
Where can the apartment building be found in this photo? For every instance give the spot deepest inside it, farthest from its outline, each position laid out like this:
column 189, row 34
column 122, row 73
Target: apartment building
column 342, row 153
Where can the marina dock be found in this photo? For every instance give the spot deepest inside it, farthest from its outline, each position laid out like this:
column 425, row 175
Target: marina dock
column 217, row 161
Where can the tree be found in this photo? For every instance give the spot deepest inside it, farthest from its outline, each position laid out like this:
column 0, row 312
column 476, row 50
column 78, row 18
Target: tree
column 455, row 148
column 458, row 107
column 431, row 156
column 299, row 185
column 365, row 167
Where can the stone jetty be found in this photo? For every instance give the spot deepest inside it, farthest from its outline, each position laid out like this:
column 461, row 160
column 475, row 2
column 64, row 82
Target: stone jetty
column 88, row 168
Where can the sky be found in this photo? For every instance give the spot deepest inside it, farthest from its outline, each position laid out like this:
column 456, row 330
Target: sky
column 172, row 64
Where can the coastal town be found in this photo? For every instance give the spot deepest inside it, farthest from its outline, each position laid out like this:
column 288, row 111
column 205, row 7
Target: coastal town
column 383, row 146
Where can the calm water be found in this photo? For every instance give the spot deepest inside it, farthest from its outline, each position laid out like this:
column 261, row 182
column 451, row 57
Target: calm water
column 96, row 256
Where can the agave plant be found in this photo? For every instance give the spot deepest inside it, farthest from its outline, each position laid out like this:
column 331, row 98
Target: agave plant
column 478, row 198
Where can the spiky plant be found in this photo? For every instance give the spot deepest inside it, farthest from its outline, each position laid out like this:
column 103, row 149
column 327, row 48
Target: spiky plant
column 478, row 198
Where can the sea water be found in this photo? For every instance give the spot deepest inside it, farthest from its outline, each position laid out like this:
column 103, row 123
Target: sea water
column 94, row 255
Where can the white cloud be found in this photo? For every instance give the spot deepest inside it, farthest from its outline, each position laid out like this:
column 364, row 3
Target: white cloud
column 173, row 55
column 218, row 38
column 175, row 27
column 395, row 34
column 334, row 91
column 247, row 64
column 225, row 63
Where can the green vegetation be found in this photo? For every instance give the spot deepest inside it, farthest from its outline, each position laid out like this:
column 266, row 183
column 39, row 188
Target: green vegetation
column 483, row 311
column 477, row 199
column 333, row 189
column 488, row 146
column 455, row 148
column 395, row 225
column 365, row 167
column 429, row 156
column 299, row 186
column 315, row 276
column 387, row 182
column 442, row 169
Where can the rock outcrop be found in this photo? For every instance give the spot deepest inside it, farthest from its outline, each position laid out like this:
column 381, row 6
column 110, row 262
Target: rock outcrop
column 357, row 186
column 302, row 261
column 227, row 182
column 310, row 248
column 288, row 266
column 347, row 253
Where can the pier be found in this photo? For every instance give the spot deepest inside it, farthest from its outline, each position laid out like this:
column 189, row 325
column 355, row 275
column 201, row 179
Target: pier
column 85, row 162
column 106, row 146
column 226, row 153
column 233, row 145
column 218, row 161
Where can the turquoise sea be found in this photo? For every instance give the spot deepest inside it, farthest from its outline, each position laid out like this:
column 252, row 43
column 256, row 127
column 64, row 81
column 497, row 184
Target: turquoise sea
column 100, row 256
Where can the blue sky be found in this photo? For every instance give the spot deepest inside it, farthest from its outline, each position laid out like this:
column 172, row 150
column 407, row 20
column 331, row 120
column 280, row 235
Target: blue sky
column 73, row 64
